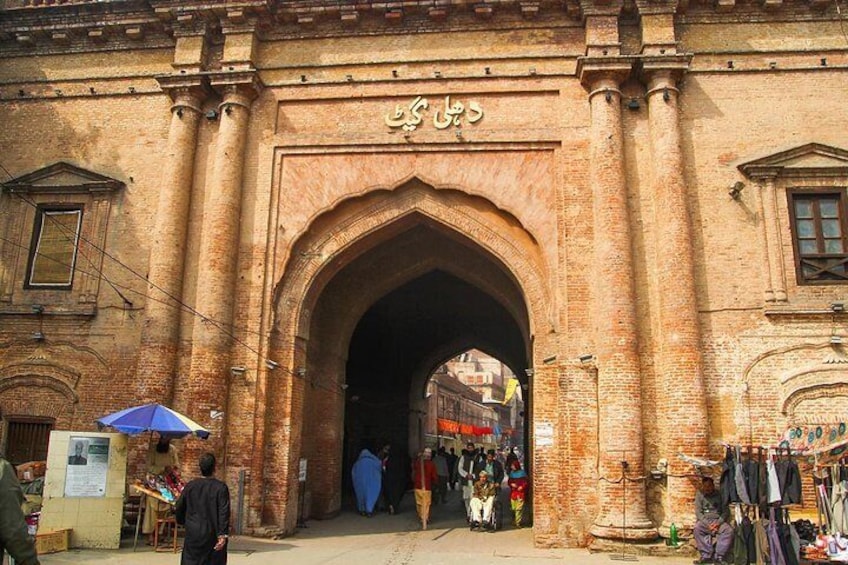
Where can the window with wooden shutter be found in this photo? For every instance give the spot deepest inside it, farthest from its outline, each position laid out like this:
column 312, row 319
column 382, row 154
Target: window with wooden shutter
column 818, row 228
column 27, row 440
column 53, row 252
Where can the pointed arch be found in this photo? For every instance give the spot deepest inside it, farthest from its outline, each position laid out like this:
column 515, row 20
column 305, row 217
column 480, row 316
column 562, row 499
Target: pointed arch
column 495, row 231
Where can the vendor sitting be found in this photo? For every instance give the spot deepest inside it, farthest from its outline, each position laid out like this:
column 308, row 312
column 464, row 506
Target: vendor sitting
column 712, row 522
column 161, row 458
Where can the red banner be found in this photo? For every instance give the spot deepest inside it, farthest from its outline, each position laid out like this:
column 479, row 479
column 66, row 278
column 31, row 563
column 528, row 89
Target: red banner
column 448, row 426
column 453, row 427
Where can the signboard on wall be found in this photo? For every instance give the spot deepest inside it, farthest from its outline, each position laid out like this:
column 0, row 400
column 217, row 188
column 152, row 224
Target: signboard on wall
column 88, row 466
column 301, row 471
column 544, row 434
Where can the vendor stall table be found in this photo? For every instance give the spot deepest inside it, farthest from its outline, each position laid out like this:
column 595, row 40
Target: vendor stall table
column 144, row 491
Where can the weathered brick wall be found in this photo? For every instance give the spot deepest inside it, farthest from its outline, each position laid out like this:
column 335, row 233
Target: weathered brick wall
column 319, row 157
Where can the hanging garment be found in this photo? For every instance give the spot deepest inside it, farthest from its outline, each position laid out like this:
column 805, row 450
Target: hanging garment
column 762, row 484
column 775, row 549
column 793, row 488
column 750, row 539
column 761, row 543
column 844, row 529
column 740, row 550
column 837, row 507
column 751, row 470
column 796, row 540
column 789, row 480
column 727, row 483
column 786, row 540
column 773, row 484
column 739, row 480
column 824, row 501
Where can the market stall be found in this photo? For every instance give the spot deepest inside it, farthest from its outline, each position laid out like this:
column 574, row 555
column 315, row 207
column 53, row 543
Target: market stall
column 824, row 446
column 161, row 484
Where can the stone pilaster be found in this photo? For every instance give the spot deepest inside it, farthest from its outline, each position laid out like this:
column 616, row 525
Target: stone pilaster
column 160, row 332
column 776, row 279
column 206, row 391
column 622, row 503
column 679, row 364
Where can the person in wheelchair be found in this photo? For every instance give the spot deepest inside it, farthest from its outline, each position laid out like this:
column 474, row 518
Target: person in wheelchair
column 483, row 501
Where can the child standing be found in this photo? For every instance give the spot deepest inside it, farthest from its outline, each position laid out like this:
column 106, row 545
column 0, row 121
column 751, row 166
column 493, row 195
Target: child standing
column 518, row 490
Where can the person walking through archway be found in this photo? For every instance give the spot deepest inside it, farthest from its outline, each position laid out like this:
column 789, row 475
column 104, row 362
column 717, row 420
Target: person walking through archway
column 423, row 478
column 367, row 475
column 440, row 489
column 466, row 468
column 395, row 477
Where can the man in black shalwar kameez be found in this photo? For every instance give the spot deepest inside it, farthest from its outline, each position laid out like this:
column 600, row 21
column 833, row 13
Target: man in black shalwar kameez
column 204, row 509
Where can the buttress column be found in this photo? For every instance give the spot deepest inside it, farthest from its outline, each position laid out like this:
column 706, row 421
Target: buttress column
column 680, row 365
column 160, row 331
column 205, row 394
column 621, row 486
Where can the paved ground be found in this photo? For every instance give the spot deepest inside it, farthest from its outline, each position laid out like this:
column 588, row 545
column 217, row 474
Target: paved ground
column 381, row 540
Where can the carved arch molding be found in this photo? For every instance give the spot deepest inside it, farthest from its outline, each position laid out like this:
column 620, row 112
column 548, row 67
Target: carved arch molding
column 57, row 385
column 811, row 379
column 413, row 197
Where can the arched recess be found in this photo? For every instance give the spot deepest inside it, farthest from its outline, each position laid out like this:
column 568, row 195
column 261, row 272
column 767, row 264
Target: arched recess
column 36, row 391
column 811, row 384
column 500, row 259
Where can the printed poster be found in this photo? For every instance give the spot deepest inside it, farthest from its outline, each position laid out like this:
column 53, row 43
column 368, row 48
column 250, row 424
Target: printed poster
column 88, row 466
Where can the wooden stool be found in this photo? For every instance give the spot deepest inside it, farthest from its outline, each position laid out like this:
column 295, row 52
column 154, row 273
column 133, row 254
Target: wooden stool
column 169, row 523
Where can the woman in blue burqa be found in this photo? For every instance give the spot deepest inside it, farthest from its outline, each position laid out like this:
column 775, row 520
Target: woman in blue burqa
column 367, row 474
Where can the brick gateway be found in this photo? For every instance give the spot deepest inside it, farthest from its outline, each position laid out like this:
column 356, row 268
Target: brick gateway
column 336, row 198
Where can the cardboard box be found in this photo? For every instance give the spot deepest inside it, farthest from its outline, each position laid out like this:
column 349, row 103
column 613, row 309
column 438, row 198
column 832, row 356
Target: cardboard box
column 52, row 542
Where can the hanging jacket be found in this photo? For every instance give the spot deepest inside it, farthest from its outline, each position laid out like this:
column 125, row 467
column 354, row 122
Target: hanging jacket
column 727, row 483
column 740, row 549
column 739, row 480
column 789, row 480
column 762, row 484
column 773, row 484
column 750, row 539
column 751, row 470
column 796, row 542
column 785, row 536
column 761, row 542
column 775, row 548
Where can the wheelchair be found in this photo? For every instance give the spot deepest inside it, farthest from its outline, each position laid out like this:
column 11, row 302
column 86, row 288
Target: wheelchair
column 496, row 518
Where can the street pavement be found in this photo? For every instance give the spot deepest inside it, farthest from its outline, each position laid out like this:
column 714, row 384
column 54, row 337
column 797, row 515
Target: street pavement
column 382, row 540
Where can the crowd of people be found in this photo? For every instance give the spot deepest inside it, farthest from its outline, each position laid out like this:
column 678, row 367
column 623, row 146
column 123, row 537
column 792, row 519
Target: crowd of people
column 381, row 478
column 203, row 506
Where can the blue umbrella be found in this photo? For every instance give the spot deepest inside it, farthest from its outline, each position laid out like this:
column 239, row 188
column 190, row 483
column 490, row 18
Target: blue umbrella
column 153, row 418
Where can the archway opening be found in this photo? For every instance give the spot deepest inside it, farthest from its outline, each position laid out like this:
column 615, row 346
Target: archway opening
column 390, row 315
column 475, row 398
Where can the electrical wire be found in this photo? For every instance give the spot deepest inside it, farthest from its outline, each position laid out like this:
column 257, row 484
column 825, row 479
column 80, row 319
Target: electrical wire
column 132, row 290
column 220, row 326
column 186, row 307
